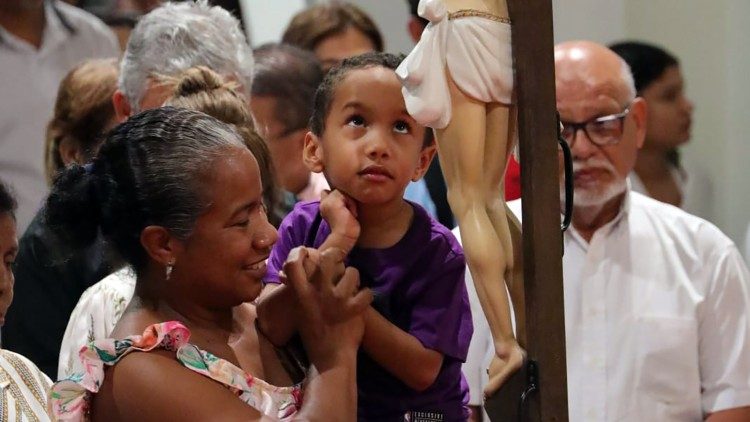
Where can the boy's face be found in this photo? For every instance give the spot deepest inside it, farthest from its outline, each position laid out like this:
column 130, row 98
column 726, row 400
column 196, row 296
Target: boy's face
column 370, row 147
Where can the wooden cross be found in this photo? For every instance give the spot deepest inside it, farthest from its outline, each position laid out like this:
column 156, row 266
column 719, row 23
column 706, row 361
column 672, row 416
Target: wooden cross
column 538, row 301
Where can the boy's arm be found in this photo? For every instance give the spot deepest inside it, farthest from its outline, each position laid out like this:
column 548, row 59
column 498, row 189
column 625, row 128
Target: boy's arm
column 276, row 307
column 399, row 352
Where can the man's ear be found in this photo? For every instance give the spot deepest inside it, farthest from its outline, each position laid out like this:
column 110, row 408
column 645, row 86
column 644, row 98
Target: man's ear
column 122, row 106
column 312, row 153
column 160, row 245
column 639, row 112
column 425, row 158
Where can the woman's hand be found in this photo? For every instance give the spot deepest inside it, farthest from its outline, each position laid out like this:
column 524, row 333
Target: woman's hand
column 330, row 303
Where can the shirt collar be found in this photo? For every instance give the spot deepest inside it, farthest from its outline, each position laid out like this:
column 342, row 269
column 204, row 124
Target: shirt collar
column 608, row 228
column 57, row 27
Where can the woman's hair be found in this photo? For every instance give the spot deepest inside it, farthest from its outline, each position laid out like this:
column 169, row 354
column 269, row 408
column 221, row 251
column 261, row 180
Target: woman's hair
column 202, row 89
column 327, row 89
column 316, row 23
column 647, row 62
column 7, row 201
column 151, row 170
column 83, row 111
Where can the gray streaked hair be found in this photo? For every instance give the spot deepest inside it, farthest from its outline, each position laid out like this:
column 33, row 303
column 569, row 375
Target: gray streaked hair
column 177, row 36
column 153, row 169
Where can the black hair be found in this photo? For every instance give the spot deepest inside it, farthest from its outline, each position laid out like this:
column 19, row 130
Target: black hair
column 151, row 170
column 413, row 9
column 327, row 89
column 8, row 202
column 647, row 62
column 290, row 75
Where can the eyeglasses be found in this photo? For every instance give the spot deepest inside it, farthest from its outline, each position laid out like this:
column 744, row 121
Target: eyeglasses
column 601, row 131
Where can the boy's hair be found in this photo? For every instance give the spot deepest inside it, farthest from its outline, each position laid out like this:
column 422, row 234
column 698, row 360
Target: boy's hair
column 83, row 111
column 290, row 75
column 7, row 201
column 316, row 23
column 327, row 89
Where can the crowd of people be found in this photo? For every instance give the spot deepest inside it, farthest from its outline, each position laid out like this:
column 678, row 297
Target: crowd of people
column 268, row 229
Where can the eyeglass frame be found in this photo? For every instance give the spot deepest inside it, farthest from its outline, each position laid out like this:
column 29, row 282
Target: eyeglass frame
column 582, row 126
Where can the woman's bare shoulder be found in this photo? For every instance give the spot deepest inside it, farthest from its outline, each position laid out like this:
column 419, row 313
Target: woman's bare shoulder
column 155, row 386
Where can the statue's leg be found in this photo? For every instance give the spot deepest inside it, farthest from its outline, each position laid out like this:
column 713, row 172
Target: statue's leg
column 462, row 146
column 499, row 143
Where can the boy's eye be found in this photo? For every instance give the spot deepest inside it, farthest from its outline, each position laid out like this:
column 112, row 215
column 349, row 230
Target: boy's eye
column 355, row 120
column 401, row 127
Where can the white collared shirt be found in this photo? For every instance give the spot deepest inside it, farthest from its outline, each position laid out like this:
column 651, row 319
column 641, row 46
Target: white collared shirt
column 657, row 317
column 29, row 80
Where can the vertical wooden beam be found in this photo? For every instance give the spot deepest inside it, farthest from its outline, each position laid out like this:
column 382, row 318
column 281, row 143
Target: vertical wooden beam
column 543, row 320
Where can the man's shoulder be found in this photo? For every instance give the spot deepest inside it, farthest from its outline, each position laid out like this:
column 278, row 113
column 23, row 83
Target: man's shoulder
column 677, row 223
column 442, row 241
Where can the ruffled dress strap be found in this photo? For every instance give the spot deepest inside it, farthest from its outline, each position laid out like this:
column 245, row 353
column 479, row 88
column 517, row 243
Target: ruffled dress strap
column 70, row 398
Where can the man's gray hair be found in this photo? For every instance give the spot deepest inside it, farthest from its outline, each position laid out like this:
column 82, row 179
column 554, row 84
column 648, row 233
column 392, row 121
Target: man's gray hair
column 627, row 78
column 177, row 36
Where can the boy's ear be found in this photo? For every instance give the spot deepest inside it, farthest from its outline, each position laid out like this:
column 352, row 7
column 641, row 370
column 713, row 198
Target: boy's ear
column 425, row 158
column 312, row 153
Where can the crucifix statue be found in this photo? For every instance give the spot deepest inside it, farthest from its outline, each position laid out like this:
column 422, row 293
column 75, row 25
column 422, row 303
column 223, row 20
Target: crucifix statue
column 459, row 80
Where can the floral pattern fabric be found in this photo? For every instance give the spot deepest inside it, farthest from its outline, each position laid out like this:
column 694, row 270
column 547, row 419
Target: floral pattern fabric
column 70, row 398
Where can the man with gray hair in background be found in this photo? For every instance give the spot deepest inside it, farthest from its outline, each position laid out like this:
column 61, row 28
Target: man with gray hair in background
column 173, row 38
column 657, row 301
column 166, row 42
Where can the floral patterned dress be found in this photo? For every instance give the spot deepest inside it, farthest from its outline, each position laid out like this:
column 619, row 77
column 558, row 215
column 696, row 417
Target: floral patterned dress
column 70, row 398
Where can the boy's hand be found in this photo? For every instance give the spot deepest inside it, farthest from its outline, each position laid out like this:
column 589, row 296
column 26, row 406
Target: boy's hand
column 340, row 211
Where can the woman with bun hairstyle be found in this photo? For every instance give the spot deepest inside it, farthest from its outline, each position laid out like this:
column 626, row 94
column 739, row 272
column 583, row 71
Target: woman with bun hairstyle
column 179, row 196
column 102, row 305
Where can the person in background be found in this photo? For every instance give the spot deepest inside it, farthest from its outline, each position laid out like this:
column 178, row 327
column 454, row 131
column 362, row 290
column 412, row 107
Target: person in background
column 23, row 395
column 170, row 40
column 50, row 278
column 102, row 305
column 40, row 42
column 284, row 84
column 659, row 172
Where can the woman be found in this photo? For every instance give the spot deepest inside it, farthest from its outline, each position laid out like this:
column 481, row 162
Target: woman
column 50, row 278
column 23, row 387
column 658, row 171
column 101, row 305
column 179, row 197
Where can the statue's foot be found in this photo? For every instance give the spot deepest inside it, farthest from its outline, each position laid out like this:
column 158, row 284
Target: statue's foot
column 509, row 357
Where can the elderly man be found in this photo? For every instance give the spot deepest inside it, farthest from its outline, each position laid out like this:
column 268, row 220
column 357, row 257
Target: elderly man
column 166, row 42
column 657, row 301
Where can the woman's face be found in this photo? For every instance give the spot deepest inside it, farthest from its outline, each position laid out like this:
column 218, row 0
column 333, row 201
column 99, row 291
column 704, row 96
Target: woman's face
column 8, row 251
column 224, row 259
column 669, row 111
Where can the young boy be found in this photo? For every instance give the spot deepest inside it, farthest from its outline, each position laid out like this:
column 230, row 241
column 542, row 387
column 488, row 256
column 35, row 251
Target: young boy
column 418, row 330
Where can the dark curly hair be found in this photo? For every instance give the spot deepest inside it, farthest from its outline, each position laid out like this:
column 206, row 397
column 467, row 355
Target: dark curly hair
column 327, row 89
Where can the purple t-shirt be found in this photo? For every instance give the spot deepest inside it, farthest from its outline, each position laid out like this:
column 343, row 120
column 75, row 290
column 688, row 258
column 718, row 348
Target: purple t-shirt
column 419, row 287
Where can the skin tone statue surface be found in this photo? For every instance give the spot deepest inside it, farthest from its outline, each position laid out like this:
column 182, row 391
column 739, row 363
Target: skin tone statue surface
column 473, row 148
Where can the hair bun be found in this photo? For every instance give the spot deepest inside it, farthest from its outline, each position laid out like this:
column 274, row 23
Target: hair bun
column 73, row 210
column 198, row 79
